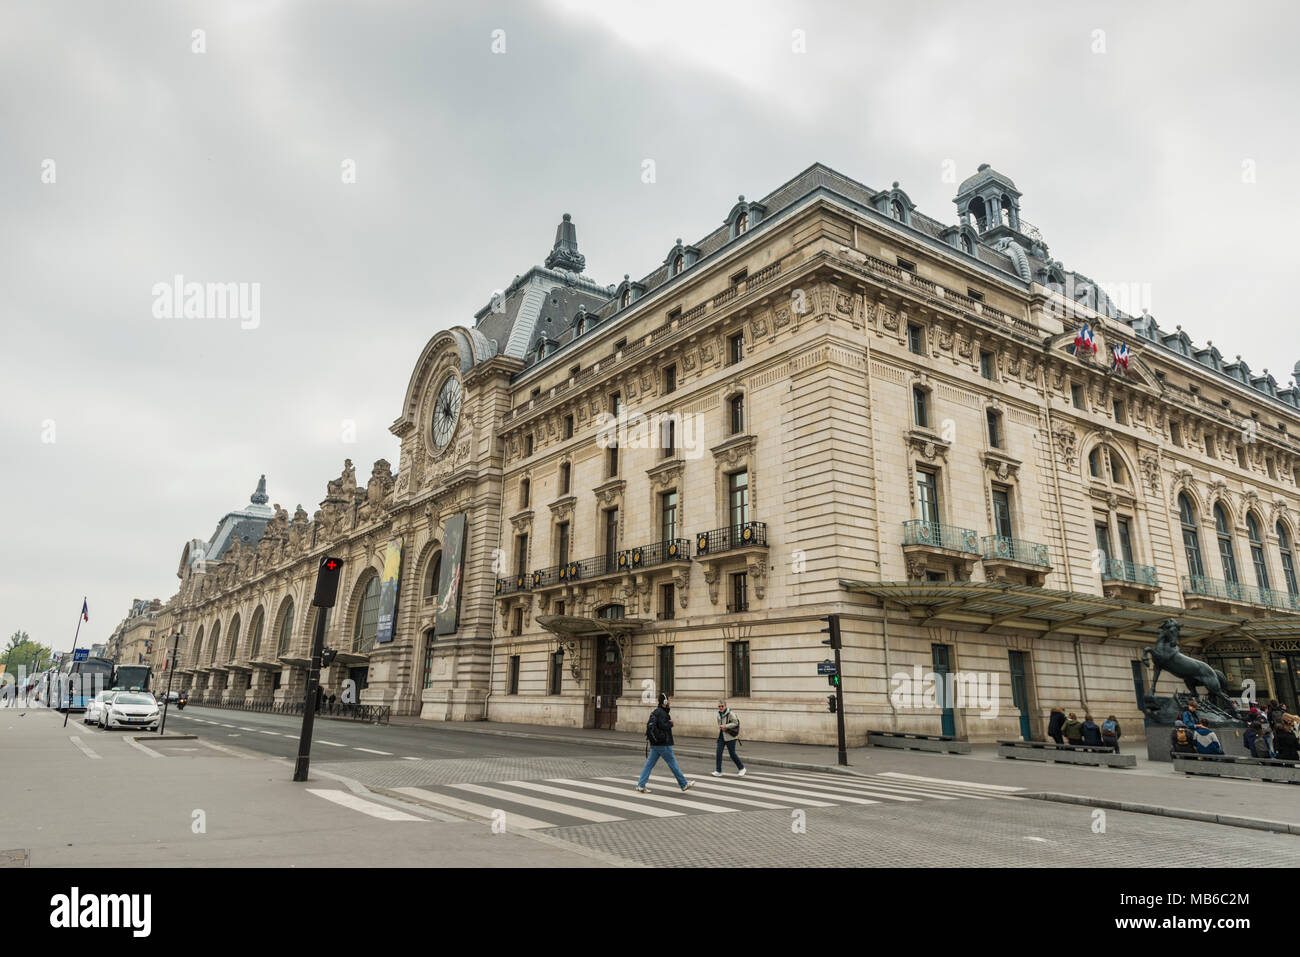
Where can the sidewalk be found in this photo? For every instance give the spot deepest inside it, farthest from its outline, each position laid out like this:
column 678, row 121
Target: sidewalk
column 1150, row 788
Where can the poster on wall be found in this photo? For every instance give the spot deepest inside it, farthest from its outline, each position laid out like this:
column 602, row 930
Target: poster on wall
column 388, row 583
column 453, row 561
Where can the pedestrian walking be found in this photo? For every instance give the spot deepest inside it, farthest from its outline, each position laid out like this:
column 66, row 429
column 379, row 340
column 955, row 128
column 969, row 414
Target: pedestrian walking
column 659, row 734
column 333, row 698
column 1055, row 723
column 1073, row 730
column 1110, row 733
column 728, row 735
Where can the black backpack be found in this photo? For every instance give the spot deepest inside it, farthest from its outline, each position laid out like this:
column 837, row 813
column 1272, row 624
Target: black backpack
column 653, row 734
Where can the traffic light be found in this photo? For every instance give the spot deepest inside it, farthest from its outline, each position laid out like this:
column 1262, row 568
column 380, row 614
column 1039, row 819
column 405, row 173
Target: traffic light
column 833, row 629
column 832, row 703
column 327, row 656
column 833, row 680
column 327, row 582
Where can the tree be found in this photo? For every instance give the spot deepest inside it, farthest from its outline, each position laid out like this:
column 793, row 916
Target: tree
column 22, row 652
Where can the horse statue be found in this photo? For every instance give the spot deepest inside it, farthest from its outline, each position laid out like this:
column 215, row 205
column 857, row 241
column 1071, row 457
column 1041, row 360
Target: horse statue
column 1165, row 656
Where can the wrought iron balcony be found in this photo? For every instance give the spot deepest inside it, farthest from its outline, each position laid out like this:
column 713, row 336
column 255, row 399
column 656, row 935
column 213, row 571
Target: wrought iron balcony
column 644, row 556
column 731, row 537
column 1001, row 548
column 515, row 583
column 627, row 560
column 1117, row 570
column 1235, row 591
column 935, row 535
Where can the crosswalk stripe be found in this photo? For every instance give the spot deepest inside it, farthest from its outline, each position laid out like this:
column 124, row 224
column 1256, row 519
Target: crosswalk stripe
column 759, row 789
column 1001, row 788
column 933, row 790
column 723, row 797
column 637, row 802
column 833, row 789
column 803, row 792
column 527, row 799
column 877, row 784
column 350, row 800
column 593, row 798
column 478, row 810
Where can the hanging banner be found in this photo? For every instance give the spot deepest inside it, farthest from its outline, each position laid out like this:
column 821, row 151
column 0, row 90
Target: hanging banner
column 453, row 561
column 388, row 584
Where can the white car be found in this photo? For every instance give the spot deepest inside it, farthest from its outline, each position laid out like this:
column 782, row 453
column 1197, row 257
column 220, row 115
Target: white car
column 96, row 707
column 132, row 709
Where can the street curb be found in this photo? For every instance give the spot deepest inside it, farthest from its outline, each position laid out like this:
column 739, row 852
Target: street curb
column 1207, row 817
column 679, row 752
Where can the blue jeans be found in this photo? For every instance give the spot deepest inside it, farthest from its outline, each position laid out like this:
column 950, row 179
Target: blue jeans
column 731, row 747
column 658, row 751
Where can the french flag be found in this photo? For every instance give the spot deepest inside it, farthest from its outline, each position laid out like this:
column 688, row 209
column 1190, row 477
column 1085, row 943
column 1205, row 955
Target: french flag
column 1121, row 356
column 85, row 611
column 1084, row 340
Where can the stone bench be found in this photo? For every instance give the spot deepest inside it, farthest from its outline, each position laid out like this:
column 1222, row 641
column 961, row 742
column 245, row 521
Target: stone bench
column 1065, row 753
column 942, row 743
column 1231, row 766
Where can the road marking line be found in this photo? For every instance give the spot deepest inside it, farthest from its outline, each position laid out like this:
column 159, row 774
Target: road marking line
column 900, row 787
column 349, row 800
column 636, row 802
column 595, row 798
column 242, row 728
column 373, row 751
column 724, row 795
column 142, row 747
column 779, row 789
column 85, row 748
column 756, row 789
column 276, row 733
column 407, row 757
column 527, row 799
column 332, row 744
column 227, row 725
column 218, row 747
column 478, row 810
column 1002, row 788
column 834, row 789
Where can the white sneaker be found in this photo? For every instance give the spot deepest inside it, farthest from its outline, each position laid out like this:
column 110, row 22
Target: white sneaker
column 717, row 774
column 643, row 790
column 741, row 772
column 688, row 785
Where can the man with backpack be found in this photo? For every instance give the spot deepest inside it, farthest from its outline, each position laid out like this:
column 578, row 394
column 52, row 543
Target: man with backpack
column 1181, row 739
column 728, row 734
column 1110, row 733
column 659, row 734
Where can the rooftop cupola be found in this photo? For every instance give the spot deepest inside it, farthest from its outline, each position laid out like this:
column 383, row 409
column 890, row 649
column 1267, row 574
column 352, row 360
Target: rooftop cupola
column 564, row 254
column 989, row 202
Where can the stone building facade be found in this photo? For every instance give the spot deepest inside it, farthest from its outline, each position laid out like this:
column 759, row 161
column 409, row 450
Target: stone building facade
column 830, row 404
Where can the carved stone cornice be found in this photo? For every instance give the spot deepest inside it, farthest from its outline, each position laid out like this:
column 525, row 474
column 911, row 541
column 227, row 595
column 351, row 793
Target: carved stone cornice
column 735, row 450
column 610, row 492
column 562, row 508
column 522, row 521
column 1004, row 466
column 666, row 474
column 929, row 445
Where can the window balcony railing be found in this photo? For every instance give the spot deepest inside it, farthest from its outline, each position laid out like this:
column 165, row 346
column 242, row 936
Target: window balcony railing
column 629, row 559
column 644, row 556
column 1117, row 570
column 935, row 535
column 515, row 583
column 999, row 547
column 730, row 537
column 1235, row 591
column 735, row 607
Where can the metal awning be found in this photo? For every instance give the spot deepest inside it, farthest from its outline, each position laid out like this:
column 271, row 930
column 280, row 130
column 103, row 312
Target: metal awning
column 574, row 626
column 991, row 605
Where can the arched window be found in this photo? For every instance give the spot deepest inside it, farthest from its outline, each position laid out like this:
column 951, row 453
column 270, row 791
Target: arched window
column 363, row 635
column 967, row 246
column 737, row 408
column 1288, row 565
column 1256, row 551
column 435, row 572
column 1116, row 468
column 896, row 210
column 1224, row 532
column 198, row 645
column 626, row 299
column 216, row 640
column 582, row 326
column 679, row 263
column 286, row 630
column 255, row 647
column 1094, row 462
column 742, row 223
column 232, row 643
column 1191, row 538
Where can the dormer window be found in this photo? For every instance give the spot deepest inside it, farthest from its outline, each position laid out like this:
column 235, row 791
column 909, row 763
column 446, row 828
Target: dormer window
column 582, row 326
column 968, row 247
column 625, row 300
column 679, row 263
column 896, row 210
column 742, row 223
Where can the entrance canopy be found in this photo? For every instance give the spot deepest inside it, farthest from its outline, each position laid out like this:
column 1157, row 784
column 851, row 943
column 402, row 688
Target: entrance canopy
column 574, row 626
column 991, row 605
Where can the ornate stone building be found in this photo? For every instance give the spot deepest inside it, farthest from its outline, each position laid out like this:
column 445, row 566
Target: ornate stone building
column 832, row 403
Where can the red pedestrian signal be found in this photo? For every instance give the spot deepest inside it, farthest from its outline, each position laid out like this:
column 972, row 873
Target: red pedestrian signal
column 327, row 582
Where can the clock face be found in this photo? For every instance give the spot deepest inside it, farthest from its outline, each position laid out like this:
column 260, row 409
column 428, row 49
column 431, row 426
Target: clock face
column 446, row 410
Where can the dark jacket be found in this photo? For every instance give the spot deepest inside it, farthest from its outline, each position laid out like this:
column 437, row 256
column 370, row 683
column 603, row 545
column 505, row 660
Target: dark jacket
column 1091, row 734
column 664, row 723
column 1189, row 747
column 1055, row 723
column 1248, row 739
column 1285, row 745
column 1073, row 731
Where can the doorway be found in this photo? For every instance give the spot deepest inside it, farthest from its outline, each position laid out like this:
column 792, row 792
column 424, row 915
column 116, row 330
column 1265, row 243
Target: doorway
column 608, row 681
column 940, row 655
column 1020, row 693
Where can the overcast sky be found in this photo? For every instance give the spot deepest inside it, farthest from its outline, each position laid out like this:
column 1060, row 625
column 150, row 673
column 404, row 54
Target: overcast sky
column 1154, row 143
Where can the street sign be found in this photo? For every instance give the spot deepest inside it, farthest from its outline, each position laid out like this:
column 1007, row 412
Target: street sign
column 826, row 667
column 81, row 654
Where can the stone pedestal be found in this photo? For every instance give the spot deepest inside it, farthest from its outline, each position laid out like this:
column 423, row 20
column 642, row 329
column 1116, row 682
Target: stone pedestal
column 1160, row 740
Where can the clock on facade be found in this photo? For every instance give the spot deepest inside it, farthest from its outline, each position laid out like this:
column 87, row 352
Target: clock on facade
column 446, row 410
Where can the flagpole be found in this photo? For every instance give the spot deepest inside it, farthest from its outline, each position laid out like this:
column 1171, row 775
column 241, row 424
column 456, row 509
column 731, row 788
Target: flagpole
column 75, row 636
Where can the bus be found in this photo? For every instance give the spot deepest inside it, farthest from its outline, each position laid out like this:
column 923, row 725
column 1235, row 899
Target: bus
column 79, row 681
column 131, row 678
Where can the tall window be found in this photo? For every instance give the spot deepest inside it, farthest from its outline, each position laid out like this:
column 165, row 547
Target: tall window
column 1224, row 533
column 521, row 555
column 562, row 543
column 738, row 497
column 255, row 648
column 216, row 640
column 232, row 643
column 738, row 655
column 512, row 676
column 568, row 426
column 363, row 634
column 198, row 644
column 434, row 579
column 737, row 404
column 677, row 264
column 286, row 630
column 927, row 496
column 668, row 436
column 986, row 364
column 566, row 470
column 1191, row 538
column 666, row 595
column 611, row 537
column 1002, row 513
column 735, row 348
column 995, row 429
column 1288, row 565
column 914, row 340
column 1094, row 463
column 612, row 460
column 1257, row 551
column 668, row 516
column 525, row 490
column 1125, row 539
column 920, row 407
column 428, row 658
column 667, row 665
column 670, row 379
column 1102, row 531
column 742, row 223
column 739, row 592
column 1076, row 396
column 556, row 683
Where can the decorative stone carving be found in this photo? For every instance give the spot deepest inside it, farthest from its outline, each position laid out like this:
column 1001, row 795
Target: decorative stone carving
column 757, row 570
column 1066, row 446
column 1150, row 466
column 781, row 318
column 711, row 578
column 891, row 320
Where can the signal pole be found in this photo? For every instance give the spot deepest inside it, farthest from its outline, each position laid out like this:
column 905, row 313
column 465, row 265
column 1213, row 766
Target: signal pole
column 171, row 670
column 833, row 629
column 327, row 586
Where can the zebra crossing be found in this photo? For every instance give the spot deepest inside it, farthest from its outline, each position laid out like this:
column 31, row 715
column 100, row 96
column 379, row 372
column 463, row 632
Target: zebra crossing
column 562, row 802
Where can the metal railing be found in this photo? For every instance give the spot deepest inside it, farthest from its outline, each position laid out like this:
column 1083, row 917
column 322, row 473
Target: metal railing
column 731, row 536
column 629, row 559
column 936, row 535
column 515, row 583
column 367, row 713
column 1115, row 569
column 995, row 547
column 1235, row 591
column 644, row 556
